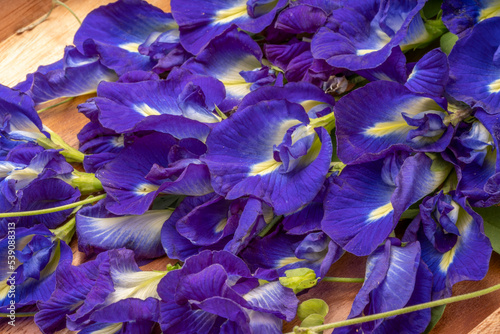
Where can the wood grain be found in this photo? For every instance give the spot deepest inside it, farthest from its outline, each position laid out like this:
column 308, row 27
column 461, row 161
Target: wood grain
column 20, row 13
column 21, row 54
column 489, row 325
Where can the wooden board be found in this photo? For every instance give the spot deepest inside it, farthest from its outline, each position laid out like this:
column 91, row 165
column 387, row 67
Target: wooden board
column 21, row 54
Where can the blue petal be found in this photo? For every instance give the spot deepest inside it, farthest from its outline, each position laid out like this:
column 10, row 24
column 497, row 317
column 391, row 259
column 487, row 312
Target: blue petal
column 224, row 59
column 118, row 29
column 100, row 230
column 123, row 105
column 301, row 19
column 18, row 118
column 366, row 131
column 313, row 99
column 35, row 278
column 79, row 75
column 379, row 199
column 392, row 69
column 248, row 167
column 45, row 194
column 475, row 67
column 207, row 223
column 176, row 246
column 383, row 290
column 430, row 74
column 201, row 21
column 459, row 16
column 134, row 193
column 467, row 260
column 362, row 34
column 273, row 298
column 66, row 298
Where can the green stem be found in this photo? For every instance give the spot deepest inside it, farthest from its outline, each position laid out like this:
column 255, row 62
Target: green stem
column 270, row 226
column 51, row 210
column 87, row 183
column 33, row 25
column 55, row 105
column 18, row 315
column 57, row 2
column 220, row 113
column 343, row 279
column 56, row 142
column 66, row 231
column 396, row 312
column 327, row 121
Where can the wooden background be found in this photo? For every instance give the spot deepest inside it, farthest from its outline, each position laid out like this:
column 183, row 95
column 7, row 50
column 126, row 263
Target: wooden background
column 22, row 54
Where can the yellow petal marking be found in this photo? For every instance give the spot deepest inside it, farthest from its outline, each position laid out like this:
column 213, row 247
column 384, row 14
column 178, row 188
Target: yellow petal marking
column 380, row 212
column 463, row 222
column 494, row 87
column 228, row 15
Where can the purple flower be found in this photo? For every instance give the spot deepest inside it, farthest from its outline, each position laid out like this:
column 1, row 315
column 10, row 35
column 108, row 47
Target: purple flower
column 453, row 242
column 395, row 277
column 215, row 292
column 127, row 35
column 77, row 74
column 365, row 202
column 200, row 21
column 109, row 293
column 33, row 259
column 475, row 67
column 269, row 150
column 361, row 34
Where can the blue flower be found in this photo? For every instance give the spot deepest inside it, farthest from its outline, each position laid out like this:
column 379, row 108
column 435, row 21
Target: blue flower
column 214, row 292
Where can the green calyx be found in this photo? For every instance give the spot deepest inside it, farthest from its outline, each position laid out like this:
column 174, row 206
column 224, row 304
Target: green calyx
column 56, row 142
column 87, row 183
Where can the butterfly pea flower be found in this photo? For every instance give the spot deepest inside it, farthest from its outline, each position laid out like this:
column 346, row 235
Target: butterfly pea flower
column 109, row 294
column 33, row 178
column 28, row 269
column 281, row 252
column 399, row 120
column 18, row 119
column 301, row 18
column 428, row 76
column 155, row 164
column 28, row 162
column 234, row 59
column 100, row 145
column 127, row 35
column 308, row 219
column 365, row 202
column 270, row 150
column 314, row 101
column 127, row 107
column 44, row 194
column 471, row 13
column 475, row 67
column 99, row 230
column 394, row 68
column 201, row 21
column 211, row 222
column 453, row 242
column 296, row 60
column 215, row 292
column 395, row 277
column 361, row 34
column 475, row 148
column 76, row 74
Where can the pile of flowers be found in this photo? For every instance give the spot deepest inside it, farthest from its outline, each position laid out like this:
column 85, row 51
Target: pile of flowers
column 255, row 142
